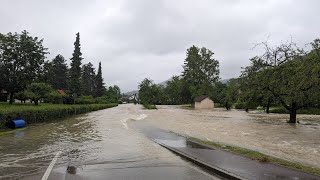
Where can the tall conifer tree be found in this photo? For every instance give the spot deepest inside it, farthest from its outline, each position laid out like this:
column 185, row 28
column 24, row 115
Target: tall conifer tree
column 75, row 70
column 99, row 82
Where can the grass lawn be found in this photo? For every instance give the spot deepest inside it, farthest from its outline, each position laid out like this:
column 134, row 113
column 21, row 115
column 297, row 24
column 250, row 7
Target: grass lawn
column 258, row 156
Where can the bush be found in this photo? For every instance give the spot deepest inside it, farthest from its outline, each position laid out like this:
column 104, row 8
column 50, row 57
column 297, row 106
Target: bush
column 218, row 105
column 149, row 106
column 282, row 110
column 45, row 112
column 56, row 98
column 85, row 100
column 240, row 105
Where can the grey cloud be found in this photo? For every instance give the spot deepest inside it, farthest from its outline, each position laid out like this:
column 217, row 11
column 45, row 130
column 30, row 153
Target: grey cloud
column 142, row 38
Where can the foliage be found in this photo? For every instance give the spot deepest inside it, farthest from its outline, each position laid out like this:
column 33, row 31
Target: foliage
column 21, row 57
column 173, row 90
column 85, row 100
column 113, row 94
column 75, row 70
column 88, row 83
column 96, row 100
column 45, row 112
column 100, row 89
column 37, row 91
column 22, row 96
column 148, row 92
column 201, row 71
column 56, row 98
column 59, row 71
column 149, row 106
column 290, row 75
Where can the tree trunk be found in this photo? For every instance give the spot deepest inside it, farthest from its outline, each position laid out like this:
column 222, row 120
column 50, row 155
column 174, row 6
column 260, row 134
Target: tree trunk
column 11, row 97
column 293, row 114
column 268, row 106
column 36, row 102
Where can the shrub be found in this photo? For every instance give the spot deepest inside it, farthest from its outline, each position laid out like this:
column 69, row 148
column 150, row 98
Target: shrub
column 45, row 112
column 240, row 105
column 56, row 98
column 85, row 100
column 149, row 106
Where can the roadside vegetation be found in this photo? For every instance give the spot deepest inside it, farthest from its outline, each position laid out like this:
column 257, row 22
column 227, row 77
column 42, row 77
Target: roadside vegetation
column 44, row 112
column 283, row 79
column 55, row 89
column 258, row 156
column 149, row 106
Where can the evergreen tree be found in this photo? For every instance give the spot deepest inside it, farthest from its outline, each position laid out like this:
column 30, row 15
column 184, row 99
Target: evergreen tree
column 100, row 91
column 75, row 70
column 59, row 73
column 88, row 83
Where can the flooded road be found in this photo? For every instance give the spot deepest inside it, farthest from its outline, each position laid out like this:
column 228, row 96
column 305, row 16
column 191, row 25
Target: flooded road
column 269, row 134
column 97, row 145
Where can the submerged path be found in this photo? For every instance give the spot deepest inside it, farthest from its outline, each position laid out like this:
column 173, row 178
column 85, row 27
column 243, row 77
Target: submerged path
column 226, row 164
column 97, row 145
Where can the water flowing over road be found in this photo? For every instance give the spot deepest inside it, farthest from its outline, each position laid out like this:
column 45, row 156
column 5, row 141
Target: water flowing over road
column 97, row 145
column 109, row 144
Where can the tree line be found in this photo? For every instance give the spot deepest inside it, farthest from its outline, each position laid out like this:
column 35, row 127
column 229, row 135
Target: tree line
column 284, row 75
column 26, row 74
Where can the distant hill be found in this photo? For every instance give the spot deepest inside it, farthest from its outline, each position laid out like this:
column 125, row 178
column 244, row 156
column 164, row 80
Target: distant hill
column 164, row 83
column 131, row 93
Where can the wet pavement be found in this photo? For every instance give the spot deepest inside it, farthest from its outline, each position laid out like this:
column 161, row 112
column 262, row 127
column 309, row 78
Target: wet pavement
column 230, row 165
column 97, row 145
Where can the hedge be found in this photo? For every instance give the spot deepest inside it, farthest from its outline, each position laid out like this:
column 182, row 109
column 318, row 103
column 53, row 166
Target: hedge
column 45, row 112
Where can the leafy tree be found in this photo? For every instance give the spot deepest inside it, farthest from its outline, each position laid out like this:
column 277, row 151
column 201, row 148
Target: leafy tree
column 37, row 91
column 232, row 93
column 46, row 74
column 22, row 96
column 252, row 93
column 100, row 91
column 173, row 90
column 291, row 76
column 75, row 70
column 88, row 81
column 21, row 57
column 113, row 94
column 201, row 71
column 218, row 94
column 148, row 92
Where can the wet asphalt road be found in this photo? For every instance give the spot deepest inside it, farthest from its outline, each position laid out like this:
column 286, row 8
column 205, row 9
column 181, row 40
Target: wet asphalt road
column 97, row 145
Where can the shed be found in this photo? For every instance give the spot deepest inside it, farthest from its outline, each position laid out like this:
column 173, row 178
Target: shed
column 203, row 102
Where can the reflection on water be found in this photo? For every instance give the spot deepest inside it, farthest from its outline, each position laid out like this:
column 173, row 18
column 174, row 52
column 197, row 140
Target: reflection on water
column 29, row 150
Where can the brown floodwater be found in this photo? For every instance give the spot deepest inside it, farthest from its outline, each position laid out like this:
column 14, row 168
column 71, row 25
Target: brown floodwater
column 97, row 145
column 266, row 133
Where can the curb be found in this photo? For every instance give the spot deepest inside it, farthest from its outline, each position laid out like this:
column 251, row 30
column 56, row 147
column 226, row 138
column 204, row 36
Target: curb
column 214, row 169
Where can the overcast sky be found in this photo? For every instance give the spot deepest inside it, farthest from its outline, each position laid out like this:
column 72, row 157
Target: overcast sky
column 135, row 39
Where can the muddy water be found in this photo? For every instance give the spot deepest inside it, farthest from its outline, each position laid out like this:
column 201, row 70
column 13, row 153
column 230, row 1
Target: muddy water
column 269, row 134
column 98, row 145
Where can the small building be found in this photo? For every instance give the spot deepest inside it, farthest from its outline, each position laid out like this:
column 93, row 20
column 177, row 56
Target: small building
column 203, row 102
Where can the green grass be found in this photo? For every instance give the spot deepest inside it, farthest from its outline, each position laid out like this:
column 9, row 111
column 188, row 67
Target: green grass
column 44, row 112
column 149, row 106
column 258, row 156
